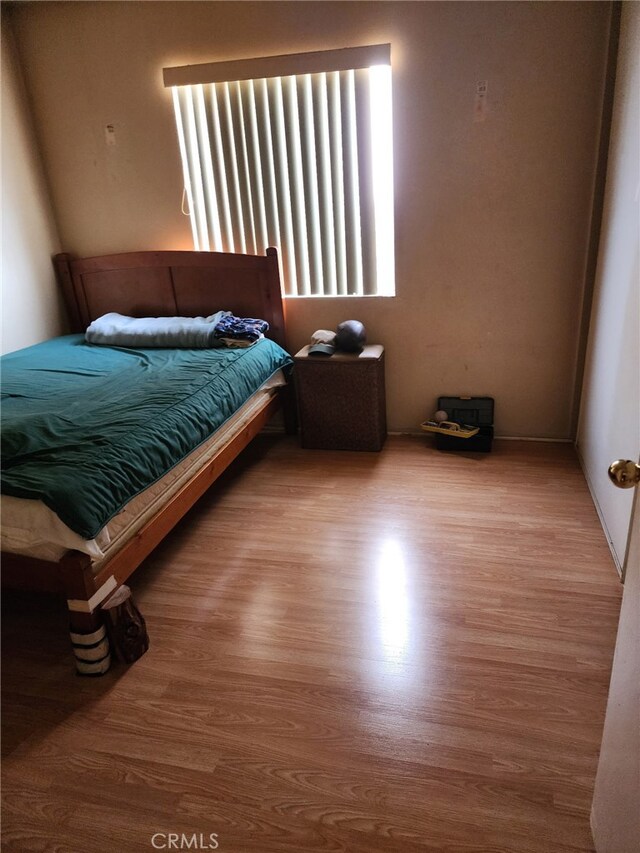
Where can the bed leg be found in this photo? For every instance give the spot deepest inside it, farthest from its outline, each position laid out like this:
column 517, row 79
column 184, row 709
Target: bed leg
column 90, row 643
column 86, row 624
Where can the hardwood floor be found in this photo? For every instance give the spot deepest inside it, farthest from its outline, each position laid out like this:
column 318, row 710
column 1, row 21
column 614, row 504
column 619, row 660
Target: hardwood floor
column 404, row 651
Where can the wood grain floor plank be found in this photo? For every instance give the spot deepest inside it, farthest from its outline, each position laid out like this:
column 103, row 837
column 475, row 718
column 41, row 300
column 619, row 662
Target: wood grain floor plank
column 404, row 651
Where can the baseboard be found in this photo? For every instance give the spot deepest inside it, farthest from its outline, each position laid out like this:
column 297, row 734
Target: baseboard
column 592, row 824
column 603, row 523
column 415, row 432
column 533, row 438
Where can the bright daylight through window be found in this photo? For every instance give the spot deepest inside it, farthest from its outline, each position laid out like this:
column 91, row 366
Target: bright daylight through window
column 295, row 152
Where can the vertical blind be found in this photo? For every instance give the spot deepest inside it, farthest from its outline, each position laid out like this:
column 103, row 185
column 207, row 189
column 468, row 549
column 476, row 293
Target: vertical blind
column 301, row 161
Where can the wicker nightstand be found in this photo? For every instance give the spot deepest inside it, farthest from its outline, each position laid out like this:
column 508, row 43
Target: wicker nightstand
column 341, row 399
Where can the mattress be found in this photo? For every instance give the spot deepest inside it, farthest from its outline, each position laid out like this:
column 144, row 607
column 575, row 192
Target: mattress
column 32, row 529
column 87, row 428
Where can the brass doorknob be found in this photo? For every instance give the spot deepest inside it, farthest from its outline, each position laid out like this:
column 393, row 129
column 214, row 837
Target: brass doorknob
column 624, row 473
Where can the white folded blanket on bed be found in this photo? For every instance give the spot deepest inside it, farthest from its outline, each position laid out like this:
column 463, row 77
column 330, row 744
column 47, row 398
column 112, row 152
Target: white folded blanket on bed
column 189, row 332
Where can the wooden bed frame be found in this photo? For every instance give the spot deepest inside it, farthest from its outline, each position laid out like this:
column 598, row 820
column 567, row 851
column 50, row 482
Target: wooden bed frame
column 152, row 284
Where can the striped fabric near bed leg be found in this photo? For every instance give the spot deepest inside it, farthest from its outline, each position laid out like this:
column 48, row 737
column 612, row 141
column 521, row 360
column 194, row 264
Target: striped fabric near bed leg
column 92, row 652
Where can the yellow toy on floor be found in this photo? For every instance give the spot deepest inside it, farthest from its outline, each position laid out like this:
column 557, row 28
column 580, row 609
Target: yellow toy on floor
column 449, row 428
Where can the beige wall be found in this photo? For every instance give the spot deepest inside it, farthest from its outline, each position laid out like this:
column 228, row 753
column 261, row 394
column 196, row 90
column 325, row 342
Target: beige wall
column 491, row 218
column 31, row 309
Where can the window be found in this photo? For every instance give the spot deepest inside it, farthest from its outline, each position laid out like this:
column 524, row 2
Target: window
column 294, row 152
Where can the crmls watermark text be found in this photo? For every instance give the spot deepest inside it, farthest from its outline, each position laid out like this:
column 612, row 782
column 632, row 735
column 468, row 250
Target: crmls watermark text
column 182, row 841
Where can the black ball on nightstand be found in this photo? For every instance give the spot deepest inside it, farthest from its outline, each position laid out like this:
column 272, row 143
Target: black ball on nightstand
column 350, row 336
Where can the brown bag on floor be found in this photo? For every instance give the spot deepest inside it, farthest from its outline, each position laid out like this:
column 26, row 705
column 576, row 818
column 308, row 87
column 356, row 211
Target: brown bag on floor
column 125, row 625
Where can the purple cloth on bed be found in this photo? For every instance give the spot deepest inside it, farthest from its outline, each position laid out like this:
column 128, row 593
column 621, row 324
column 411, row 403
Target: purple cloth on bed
column 240, row 328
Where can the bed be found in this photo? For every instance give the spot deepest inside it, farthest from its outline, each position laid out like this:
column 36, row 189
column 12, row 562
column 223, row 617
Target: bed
column 87, row 552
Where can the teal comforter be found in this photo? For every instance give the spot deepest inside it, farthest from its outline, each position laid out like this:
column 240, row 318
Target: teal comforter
column 86, row 428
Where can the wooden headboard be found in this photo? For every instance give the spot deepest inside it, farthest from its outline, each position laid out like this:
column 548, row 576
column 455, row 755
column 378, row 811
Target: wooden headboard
column 168, row 284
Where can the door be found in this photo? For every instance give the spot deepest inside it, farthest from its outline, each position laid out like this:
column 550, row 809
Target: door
column 615, row 813
column 609, row 426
